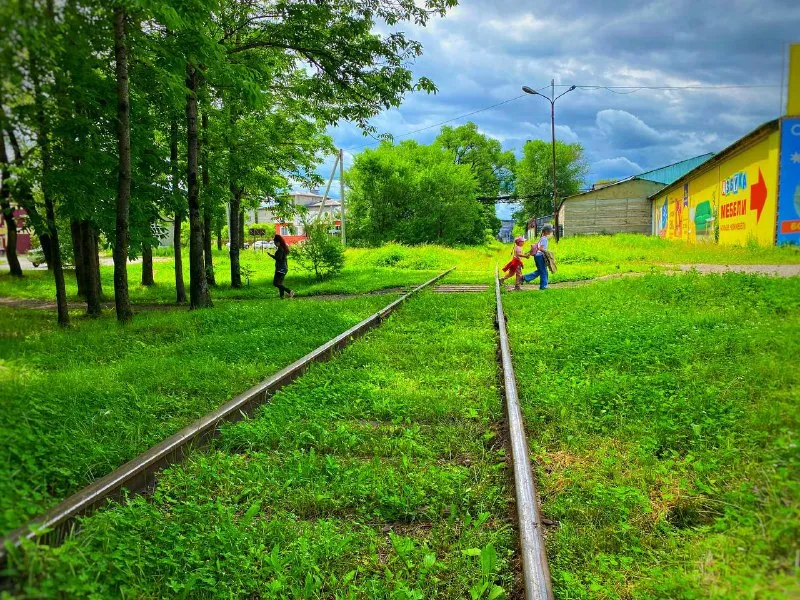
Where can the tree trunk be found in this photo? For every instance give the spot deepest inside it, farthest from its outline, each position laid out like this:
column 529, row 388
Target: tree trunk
column 8, row 211
column 121, row 297
column 24, row 197
column 219, row 236
column 242, row 238
column 199, row 295
column 43, row 141
column 90, row 268
column 77, row 256
column 209, row 259
column 180, row 288
column 95, row 248
column 236, row 274
column 147, row 264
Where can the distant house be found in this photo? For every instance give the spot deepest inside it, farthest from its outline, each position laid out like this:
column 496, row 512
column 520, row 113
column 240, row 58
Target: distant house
column 506, row 233
column 316, row 207
column 623, row 206
column 23, row 234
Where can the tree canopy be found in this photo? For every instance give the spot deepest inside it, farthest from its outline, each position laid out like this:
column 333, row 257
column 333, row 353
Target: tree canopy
column 122, row 114
column 534, row 183
column 413, row 194
column 492, row 167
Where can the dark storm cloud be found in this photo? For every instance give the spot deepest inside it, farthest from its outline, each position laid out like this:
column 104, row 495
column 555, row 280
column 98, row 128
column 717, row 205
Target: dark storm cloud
column 484, row 51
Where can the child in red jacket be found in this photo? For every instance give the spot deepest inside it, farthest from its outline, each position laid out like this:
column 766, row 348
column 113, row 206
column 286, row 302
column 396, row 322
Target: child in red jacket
column 514, row 266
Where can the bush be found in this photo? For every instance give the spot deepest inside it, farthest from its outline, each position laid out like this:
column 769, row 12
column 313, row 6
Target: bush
column 321, row 252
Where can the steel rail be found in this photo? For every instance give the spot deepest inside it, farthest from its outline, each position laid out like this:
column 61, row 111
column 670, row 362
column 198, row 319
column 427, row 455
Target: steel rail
column 137, row 474
column 535, row 571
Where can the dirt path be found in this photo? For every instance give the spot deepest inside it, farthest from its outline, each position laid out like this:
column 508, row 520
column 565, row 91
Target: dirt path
column 705, row 269
column 774, row 270
column 33, row 304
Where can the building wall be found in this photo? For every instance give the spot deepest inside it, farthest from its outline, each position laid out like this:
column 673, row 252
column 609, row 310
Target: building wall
column 735, row 199
column 23, row 235
column 620, row 208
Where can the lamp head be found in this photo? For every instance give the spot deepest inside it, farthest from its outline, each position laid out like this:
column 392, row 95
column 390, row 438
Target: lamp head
column 528, row 90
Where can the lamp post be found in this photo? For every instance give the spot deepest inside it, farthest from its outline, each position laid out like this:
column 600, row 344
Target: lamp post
column 552, row 100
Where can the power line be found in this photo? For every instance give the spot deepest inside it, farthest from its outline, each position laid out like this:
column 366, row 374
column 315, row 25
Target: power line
column 631, row 89
column 456, row 118
column 636, row 88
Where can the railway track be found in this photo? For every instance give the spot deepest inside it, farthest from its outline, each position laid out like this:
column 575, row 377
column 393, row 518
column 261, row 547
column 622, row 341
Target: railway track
column 140, row 473
column 535, row 570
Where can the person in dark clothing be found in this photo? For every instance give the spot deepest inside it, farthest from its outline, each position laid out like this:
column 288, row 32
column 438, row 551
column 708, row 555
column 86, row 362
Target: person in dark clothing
column 281, row 265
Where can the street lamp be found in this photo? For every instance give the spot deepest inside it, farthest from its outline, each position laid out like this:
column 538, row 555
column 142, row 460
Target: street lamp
column 552, row 100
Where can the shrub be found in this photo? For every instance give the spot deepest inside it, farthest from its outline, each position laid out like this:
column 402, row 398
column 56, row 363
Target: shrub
column 321, row 252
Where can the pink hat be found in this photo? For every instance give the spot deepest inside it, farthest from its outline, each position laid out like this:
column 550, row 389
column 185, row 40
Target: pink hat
column 519, row 238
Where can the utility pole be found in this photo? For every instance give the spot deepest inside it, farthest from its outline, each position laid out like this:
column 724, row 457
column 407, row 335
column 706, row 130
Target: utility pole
column 552, row 100
column 341, row 192
column 553, row 134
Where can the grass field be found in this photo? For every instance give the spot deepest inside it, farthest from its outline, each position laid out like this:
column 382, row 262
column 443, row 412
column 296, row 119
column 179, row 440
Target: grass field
column 78, row 403
column 376, row 475
column 663, row 416
column 394, row 265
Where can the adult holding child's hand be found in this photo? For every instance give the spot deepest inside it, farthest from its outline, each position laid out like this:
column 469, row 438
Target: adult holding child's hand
column 538, row 250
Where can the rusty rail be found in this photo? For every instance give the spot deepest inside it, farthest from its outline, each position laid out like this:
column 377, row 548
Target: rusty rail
column 535, row 571
column 137, row 474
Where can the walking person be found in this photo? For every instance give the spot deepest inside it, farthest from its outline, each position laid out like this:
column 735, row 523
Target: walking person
column 514, row 266
column 538, row 251
column 281, row 265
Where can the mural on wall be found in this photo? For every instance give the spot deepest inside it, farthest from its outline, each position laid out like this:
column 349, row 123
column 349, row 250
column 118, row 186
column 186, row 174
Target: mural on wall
column 734, row 202
column 789, row 193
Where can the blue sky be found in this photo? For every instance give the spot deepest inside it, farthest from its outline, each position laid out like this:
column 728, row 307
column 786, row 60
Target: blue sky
column 484, row 51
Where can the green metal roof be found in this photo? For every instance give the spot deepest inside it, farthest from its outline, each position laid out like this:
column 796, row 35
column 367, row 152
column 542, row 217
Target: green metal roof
column 671, row 173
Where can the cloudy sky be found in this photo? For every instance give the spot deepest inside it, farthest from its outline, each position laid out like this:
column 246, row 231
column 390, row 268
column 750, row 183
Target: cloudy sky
column 485, row 50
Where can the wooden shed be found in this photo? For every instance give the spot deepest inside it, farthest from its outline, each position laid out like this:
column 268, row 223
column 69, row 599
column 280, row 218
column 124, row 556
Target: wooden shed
column 623, row 206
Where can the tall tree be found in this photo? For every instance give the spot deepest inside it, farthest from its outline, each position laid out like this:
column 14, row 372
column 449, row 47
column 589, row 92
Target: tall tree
column 37, row 52
column 207, row 203
column 121, row 297
column 179, row 211
column 199, row 296
column 492, row 167
column 535, row 177
column 7, row 209
column 413, row 194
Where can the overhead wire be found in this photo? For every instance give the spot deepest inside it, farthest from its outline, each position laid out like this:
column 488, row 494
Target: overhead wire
column 611, row 88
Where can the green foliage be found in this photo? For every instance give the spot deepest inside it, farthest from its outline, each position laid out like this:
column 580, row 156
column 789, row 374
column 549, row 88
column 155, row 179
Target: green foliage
column 321, row 252
column 492, row 167
column 112, row 392
column 413, row 194
column 535, row 175
column 267, row 79
column 663, row 414
column 372, row 476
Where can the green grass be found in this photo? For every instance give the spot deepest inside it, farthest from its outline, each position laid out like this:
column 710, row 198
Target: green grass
column 76, row 404
column 393, row 265
column 663, row 416
column 376, row 475
column 354, row 279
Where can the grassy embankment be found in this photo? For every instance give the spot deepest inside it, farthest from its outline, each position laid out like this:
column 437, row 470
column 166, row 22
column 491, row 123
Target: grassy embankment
column 376, row 475
column 397, row 266
column 77, row 403
column 663, row 415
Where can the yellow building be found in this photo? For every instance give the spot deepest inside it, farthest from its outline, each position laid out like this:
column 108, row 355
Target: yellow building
column 731, row 198
column 748, row 193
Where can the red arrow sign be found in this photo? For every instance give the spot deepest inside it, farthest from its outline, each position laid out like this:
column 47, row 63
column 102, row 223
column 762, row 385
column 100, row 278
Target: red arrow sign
column 758, row 196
